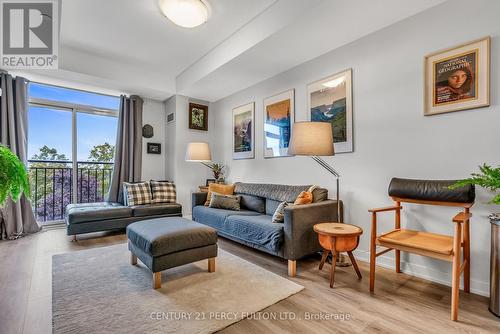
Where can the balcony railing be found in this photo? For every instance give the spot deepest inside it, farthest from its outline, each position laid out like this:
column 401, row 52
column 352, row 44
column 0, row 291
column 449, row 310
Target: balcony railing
column 53, row 187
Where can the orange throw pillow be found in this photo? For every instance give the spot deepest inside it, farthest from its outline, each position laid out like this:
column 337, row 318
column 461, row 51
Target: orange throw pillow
column 304, row 197
column 223, row 189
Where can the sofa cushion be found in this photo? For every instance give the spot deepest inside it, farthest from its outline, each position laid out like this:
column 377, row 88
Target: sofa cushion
column 228, row 202
column 258, row 230
column 224, row 189
column 163, row 192
column 137, row 193
column 305, row 197
column 86, row 212
column 156, row 209
column 271, row 206
column 253, row 203
column 319, row 194
column 161, row 236
column 215, row 217
column 279, row 214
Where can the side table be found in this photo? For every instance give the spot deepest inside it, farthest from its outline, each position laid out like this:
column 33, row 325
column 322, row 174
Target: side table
column 338, row 238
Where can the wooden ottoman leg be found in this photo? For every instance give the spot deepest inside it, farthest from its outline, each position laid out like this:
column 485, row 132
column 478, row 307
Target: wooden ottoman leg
column 73, row 239
column 133, row 259
column 157, row 280
column 292, row 268
column 211, row 265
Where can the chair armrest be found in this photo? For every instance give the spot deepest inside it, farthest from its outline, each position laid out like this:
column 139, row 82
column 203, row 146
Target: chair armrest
column 387, row 208
column 462, row 217
column 300, row 238
column 198, row 198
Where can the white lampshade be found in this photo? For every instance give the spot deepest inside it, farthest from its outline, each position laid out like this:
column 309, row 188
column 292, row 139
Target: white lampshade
column 198, row 152
column 185, row 13
column 311, row 138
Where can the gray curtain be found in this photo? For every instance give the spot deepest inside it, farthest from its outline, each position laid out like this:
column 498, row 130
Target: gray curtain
column 16, row 218
column 128, row 151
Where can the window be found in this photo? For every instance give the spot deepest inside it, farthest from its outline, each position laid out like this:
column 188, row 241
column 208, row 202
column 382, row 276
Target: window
column 71, row 139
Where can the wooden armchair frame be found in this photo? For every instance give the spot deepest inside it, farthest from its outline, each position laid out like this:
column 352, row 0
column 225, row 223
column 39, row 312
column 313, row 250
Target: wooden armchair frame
column 459, row 240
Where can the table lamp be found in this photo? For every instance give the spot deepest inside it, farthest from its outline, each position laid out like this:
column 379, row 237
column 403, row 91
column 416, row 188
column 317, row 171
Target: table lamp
column 315, row 139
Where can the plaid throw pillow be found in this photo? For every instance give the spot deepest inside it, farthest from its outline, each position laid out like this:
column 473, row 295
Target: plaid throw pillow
column 137, row 193
column 163, row 192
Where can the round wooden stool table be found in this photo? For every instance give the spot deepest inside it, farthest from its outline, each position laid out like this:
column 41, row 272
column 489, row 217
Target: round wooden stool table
column 338, row 238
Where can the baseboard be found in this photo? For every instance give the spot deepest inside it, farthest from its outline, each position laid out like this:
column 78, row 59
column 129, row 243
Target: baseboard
column 478, row 287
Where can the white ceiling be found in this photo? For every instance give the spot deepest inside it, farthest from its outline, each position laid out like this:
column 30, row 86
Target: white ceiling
column 129, row 46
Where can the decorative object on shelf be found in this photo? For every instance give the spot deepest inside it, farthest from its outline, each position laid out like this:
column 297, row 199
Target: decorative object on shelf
column 13, row 178
column 489, row 178
column 185, row 13
column 336, row 238
column 279, row 115
column 147, row 131
column 203, row 189
column 457, row 78
column 154, row 148
column 243, row 132
column 330, row 101
column 438, row 246
column 208, row 181
column 198, row 117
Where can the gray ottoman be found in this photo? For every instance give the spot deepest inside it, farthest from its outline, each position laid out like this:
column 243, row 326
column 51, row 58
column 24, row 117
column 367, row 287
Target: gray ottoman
column 164, row 243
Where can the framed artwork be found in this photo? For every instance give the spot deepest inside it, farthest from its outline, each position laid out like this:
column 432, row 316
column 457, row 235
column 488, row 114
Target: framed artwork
column 154, row 148
column 279, row 115
column 198, row 117
column 330, row 100
column 209, row 181
column 457, row 78
column 244, row 132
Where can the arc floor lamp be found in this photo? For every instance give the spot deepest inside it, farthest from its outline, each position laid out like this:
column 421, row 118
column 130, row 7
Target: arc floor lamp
column 315, row 139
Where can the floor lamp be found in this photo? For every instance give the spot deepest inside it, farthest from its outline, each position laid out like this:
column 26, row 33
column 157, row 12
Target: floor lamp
column 315, row 139
column 199, row 152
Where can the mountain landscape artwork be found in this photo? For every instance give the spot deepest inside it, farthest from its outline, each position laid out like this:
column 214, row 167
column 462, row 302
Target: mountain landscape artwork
column 335, row 114
column 330, row 101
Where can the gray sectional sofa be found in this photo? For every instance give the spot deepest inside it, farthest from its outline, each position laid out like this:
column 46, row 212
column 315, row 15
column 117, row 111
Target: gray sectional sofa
column 253, row 226
column 104, row 216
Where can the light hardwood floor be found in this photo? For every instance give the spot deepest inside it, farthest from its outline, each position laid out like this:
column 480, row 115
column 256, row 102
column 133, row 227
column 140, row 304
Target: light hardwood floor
column 401, row 303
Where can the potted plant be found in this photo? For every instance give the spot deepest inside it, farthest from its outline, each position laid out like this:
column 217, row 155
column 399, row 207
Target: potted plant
column 13, row 177
column 218, row 171
column 489, row 178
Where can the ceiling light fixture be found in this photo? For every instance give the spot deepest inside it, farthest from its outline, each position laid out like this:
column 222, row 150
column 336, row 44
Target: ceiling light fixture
column 185, row 13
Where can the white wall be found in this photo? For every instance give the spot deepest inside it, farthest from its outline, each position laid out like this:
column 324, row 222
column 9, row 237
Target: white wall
column 391, row 135
column 153, row 165
column 186, row 175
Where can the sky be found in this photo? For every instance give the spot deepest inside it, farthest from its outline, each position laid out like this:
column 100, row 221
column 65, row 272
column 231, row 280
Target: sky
column 52, row 127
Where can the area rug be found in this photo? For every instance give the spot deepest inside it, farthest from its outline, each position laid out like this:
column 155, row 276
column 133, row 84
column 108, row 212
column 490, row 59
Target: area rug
column 98, row 291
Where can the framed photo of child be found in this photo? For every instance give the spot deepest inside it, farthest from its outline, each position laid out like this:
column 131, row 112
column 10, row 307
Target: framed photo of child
column 458, row 78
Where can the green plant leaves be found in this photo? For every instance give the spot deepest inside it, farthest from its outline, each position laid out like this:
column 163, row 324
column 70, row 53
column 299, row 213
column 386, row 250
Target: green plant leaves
column 488, row 178
column 13, row 176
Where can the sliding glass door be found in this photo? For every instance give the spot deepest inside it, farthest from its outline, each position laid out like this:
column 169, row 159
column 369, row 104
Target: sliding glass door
column 71, row 141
